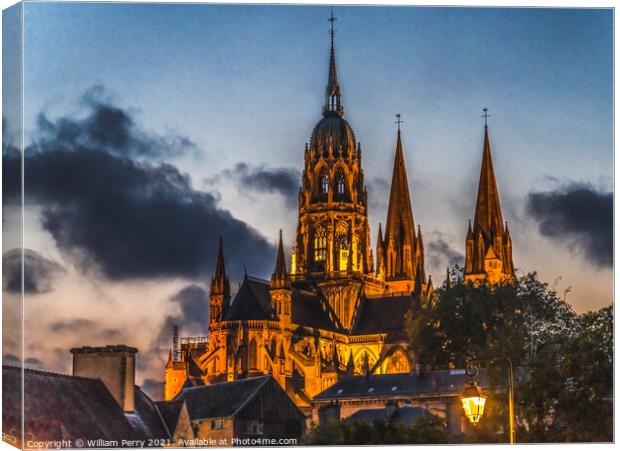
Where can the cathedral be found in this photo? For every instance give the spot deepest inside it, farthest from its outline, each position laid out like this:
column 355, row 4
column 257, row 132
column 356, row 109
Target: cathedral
column 337, row 310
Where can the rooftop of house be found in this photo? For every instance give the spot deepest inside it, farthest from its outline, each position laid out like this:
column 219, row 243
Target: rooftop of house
column 445, row 382
column 220, row 400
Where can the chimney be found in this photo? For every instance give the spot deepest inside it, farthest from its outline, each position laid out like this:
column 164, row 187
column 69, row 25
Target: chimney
column 115, row 365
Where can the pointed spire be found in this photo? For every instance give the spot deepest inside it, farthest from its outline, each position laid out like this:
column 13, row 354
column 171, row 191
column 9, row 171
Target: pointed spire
column 350, row 364
column 488, row 216
column 280, row 276
column 332, row 92
column 399, row 227
column 220, row 267
column 169, row 364
column 366, row 365
column 470, row 233
column 219, row 282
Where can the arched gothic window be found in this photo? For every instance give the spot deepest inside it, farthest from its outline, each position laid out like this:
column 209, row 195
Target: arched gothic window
column 340, row 182
column 324, row 182
column 252, row 355
column 320, row 244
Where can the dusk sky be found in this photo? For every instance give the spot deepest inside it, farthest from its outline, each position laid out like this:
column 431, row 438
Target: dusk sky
column 188, row 122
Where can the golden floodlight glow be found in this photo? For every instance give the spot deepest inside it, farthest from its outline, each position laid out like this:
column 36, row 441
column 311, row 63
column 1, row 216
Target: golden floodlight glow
column 473, row 403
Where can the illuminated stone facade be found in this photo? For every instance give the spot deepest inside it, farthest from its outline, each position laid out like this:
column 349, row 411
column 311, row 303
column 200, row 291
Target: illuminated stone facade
column 334, row 313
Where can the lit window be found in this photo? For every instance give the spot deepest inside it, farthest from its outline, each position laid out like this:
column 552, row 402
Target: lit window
column 320, row 244
column 217, row 424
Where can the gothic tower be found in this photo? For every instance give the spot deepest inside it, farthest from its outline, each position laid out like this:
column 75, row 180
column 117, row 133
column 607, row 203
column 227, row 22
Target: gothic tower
column 332, row 233
column 400, row 253
column 219, row 295
column 488, row 246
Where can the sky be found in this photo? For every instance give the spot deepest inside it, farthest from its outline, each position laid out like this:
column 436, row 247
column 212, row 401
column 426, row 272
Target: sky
column 154, row 129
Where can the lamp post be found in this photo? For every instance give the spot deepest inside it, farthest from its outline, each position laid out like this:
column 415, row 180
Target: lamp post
column 474, row 400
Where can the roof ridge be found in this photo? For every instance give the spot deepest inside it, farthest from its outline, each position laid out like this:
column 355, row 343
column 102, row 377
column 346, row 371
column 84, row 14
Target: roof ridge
column 48, row 373
column 246, row 379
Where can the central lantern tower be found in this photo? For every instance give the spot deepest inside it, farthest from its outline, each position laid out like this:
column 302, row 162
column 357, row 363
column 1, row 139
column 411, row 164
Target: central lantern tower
column 333, row 237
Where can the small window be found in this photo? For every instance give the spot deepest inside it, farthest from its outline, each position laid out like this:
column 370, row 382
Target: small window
column 340, row 182
column 324, row 182
column 217, row 424
column 340, row 390
column 394, row 388
column 371, row 389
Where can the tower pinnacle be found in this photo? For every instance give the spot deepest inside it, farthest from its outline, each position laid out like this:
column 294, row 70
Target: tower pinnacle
column 332, row 93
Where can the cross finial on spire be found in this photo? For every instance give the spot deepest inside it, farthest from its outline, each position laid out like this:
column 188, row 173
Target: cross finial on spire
column 331, row 20
column 398, row 121
column 485, row 115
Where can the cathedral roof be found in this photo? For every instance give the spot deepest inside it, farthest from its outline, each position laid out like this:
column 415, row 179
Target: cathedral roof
column 252, row 302
column 333, row 130
column 383, row 315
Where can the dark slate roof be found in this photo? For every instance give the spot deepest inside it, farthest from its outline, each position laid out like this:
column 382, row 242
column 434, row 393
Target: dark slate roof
column 404, row 414
column 382, row 315
column 306, row 310
column 62, row 407
column 170, row 412
column 405, row 384
column 252, row 302
column 220, row 400
column 146, row 418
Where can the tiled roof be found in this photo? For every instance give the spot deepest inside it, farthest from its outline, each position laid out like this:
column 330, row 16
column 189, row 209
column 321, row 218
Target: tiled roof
column 405, row 384
column 62, row 407
column 222, row 399
column 306, row 310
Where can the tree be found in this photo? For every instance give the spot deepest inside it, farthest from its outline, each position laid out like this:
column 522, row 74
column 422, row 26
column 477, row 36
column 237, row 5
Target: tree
column 425, row 429
column 565, row 360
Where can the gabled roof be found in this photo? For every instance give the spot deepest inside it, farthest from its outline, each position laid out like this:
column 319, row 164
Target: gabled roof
column 222, row 399
column 59, row 407
column 306, row 310
column 409, row 384
column 252, row 302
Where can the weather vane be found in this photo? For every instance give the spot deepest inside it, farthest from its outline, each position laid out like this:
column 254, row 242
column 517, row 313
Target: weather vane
column 398, row 121
column 485, row 115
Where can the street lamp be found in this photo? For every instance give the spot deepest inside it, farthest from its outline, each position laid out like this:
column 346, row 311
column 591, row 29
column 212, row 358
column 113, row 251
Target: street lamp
column 474, row 400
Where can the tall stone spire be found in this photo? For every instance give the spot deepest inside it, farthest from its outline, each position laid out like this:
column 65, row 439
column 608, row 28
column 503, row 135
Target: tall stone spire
column 488, row 247
column 219, row 295
column 400, row 238
column 332, row 92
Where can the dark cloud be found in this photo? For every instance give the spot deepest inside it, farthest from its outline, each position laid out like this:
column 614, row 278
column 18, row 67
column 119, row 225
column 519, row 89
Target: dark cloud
column 127, row 218
column 39, row 272
column 193, row 319
column 33, row 362
column 282, row 181
column 153, row 388
column 109, row 128
column 579, row 215
column 81, row 326
column 378, row 194
column 440, row 253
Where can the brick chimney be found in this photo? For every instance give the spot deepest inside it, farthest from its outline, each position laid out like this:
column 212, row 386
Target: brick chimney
column 115, row 365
